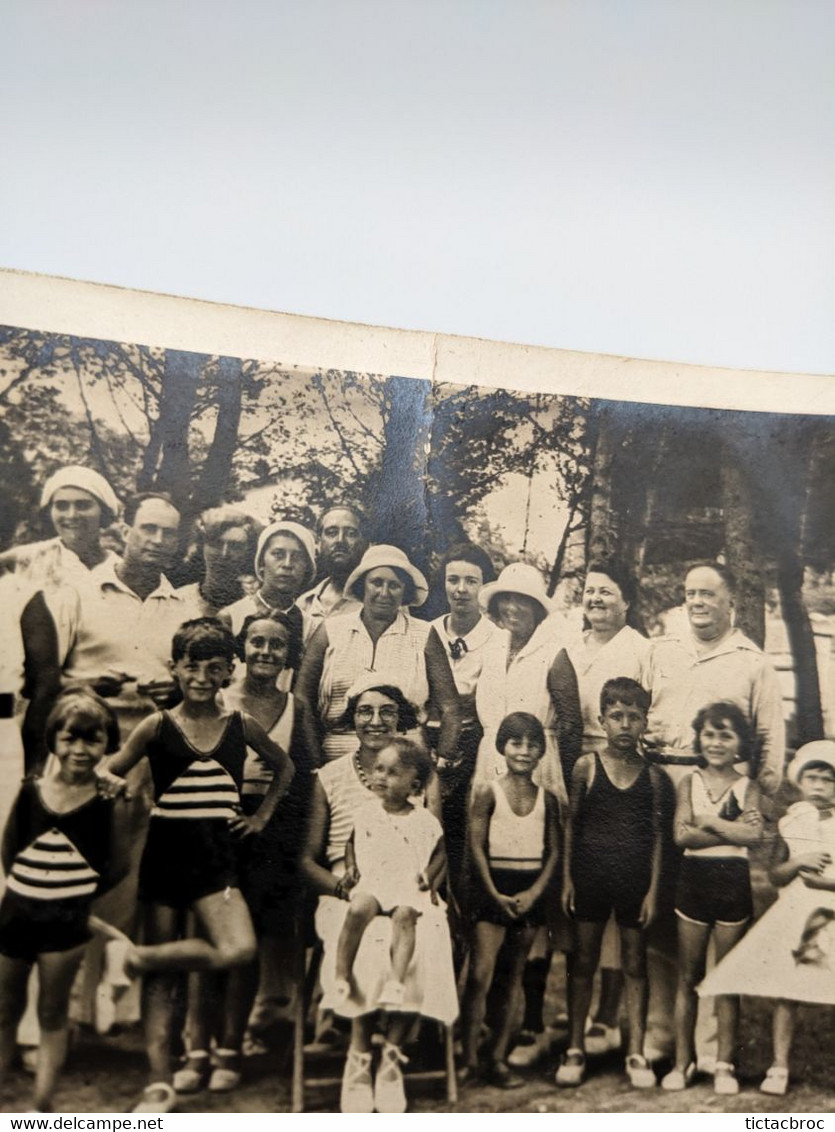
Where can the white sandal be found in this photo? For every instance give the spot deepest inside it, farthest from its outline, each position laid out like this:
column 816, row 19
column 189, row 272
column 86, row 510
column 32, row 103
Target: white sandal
column 194, row 1074
column 725, row 1083
column 159, row 1096
column 776, row 1081
column 389, row 1090
column 357, row 1094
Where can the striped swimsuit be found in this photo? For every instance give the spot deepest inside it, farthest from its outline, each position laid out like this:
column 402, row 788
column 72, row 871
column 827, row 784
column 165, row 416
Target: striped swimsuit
column 190, row 852
column 58, row 862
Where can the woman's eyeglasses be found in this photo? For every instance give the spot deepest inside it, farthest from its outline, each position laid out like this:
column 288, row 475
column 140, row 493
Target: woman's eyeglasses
column 387, row 714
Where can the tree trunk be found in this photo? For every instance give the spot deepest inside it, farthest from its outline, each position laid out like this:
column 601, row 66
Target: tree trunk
column 799, row 442
column 742, row 550
column 210, row 488
column 602, row 540
column 809, row 717
column 183, row 371
column 398, row 495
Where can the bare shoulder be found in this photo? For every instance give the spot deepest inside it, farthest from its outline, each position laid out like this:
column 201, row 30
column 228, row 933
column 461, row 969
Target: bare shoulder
column 483, row 796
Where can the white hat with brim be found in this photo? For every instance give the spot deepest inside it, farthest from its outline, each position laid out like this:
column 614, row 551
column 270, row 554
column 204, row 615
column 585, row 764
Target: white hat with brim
column 517, row 578
column 818, row 751
column 394, row 558
column 300, row 534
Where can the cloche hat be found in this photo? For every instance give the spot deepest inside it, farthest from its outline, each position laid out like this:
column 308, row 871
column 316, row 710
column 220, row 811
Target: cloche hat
column 517, row 578
column 395, row 559
column 300, row 533
column 818, row 751
column 84, row 479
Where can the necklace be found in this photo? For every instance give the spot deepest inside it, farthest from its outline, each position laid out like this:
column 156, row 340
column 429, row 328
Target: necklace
column 361, row 775
column 273, row 608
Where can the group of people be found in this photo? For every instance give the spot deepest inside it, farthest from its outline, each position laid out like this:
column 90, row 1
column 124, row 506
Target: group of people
column 216, row 770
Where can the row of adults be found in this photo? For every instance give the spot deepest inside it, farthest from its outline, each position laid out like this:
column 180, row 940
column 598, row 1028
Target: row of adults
column 78, row 613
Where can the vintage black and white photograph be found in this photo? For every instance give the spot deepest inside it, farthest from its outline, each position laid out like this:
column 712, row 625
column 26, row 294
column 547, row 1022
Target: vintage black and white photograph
column 417, row 560
column 374, row 743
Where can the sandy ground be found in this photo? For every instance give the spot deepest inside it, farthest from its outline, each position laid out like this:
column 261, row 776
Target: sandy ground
column 107, row 1075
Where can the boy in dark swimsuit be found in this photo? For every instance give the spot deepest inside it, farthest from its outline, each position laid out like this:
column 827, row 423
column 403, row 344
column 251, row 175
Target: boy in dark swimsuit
column 612, row 863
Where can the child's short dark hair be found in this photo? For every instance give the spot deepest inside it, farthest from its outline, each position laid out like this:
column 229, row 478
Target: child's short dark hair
column 718, row 714
column 520, row 725
column 86, row 714
column 201, row 639
column 624, row 690
column 819, row 765
column 414, row 757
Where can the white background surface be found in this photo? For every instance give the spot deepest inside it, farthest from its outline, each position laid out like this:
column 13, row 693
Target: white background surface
column 644, row 178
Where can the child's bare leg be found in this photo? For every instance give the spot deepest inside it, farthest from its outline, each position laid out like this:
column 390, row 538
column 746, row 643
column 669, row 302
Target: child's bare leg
column 727, row 1006
column 583, row 964
column 362, row 1029
column 487, row 941
column 634, row 953
column 520, row 942
column 403, row 921
column 361, row 911
column 204, row 990
column 56, row 972
column 231, row 939
column 692, row 949
column 14, row 979
column 241, row 986
column 785, row 1014
column 611, row 988
column 162, row 925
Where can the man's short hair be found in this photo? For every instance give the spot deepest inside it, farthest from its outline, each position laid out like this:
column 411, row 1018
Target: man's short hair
column 344, row 505
column 135, row 502
column 725, row 572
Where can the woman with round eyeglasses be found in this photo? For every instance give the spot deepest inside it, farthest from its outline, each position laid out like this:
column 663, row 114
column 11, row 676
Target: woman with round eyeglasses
column 382, row 636
column 377, row 712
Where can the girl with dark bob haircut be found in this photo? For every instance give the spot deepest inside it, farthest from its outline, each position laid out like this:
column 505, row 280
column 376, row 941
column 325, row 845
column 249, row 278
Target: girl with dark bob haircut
column 407, row 719
column 719, row 715
column 520, row 725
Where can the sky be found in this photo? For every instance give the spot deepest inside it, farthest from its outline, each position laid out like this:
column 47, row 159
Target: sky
column 634, row 177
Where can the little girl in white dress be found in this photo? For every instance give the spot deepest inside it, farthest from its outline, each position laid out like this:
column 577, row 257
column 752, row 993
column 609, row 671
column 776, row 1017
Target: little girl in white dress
column 789, row 954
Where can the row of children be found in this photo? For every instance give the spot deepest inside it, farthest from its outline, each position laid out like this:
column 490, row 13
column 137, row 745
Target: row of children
column 610, row 855
column 64, row 846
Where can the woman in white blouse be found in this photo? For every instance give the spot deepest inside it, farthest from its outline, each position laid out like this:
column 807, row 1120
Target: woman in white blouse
column 514, row 675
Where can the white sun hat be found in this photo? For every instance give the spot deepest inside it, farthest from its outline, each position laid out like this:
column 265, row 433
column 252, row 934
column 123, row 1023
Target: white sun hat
column 392, row 556
column 517, row 578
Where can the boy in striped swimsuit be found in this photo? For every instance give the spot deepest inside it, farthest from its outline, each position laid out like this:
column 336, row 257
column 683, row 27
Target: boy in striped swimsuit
column 196, row 754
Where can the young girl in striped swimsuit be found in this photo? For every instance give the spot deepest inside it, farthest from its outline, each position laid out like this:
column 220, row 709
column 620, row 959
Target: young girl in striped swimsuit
column 63, row 846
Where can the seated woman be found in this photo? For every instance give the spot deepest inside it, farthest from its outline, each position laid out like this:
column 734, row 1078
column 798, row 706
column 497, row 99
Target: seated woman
column 377, row 711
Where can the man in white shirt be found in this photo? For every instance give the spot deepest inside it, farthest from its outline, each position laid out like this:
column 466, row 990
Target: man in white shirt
column 126, row 614
column 709, row 662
